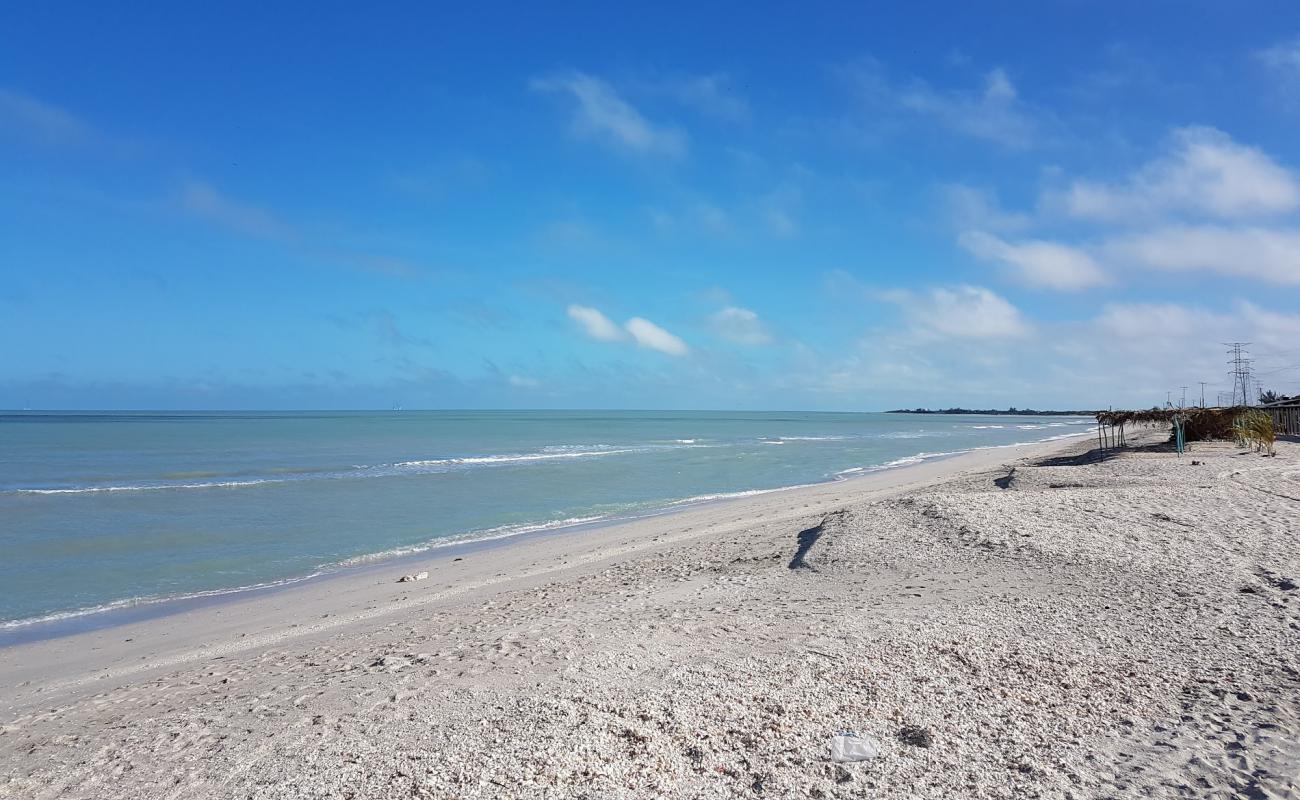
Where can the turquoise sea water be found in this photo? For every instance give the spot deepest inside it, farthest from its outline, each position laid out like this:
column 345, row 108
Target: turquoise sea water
column 105, row 510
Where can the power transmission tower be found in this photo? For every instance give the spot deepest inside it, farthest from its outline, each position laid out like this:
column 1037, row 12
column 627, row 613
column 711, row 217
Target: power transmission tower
column 1240, row 363
column 1202, row 393
column 1183, row 403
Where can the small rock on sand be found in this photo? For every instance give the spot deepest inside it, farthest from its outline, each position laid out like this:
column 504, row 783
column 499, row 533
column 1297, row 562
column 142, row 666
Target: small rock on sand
column 419, row 576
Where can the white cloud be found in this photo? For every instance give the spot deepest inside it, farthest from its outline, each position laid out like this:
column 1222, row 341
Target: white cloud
column 524, row 382
column 1283, row 56
column 39, row 121
column 595, row 324
column 711, row 95
column 994, row 113
column 651, row 336
column 1138, row 322
column 1267, row 254
column 1205, row 173
column 777, row 211
column 641, row 331
column 1283, row 62
column 203, row 200
column 967, row 312
column 601, row 113
column 740, row 325
column 1036, row 262
column 971, row 207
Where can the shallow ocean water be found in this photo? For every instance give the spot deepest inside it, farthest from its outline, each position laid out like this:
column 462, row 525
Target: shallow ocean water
column 102, row 510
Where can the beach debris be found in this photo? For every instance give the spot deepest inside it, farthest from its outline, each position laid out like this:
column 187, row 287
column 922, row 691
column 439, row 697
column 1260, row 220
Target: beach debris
column 847, row 746
column 915, row 735
column 419, row 576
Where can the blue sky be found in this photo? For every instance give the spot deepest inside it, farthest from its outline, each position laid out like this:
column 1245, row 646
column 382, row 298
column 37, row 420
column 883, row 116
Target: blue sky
column 586, row 205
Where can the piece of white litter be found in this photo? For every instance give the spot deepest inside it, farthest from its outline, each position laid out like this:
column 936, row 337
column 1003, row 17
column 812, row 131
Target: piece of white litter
column 848, row 746
column 419, row 576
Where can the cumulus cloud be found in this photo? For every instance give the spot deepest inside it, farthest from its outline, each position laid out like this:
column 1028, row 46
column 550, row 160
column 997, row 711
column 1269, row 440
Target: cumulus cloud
column 601, row 113
column 1208, row 203
column 642, row 332
column 1204, row 173
column 969, row 312
column 1244, row 252
column 740, row 325
column 651, row 336
column 595, row 324
column 1037, row 262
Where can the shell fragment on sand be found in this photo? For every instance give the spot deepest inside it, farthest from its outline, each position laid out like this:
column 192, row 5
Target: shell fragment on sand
column 419, row 576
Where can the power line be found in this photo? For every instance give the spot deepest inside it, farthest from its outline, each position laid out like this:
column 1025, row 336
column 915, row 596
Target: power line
column 1240, row 363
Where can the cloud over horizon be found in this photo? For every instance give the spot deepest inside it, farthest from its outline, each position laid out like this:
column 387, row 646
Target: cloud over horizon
column 642, row 332
column 543, row 213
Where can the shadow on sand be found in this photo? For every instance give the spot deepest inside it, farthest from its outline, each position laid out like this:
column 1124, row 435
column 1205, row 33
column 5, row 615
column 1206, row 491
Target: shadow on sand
column 807, row 538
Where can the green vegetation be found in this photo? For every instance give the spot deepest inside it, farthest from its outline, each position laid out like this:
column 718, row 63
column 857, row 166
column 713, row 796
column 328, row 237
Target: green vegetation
column 1254, row 429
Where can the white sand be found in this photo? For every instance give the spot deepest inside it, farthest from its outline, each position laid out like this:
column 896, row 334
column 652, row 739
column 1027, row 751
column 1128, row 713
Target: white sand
column 1123, row 629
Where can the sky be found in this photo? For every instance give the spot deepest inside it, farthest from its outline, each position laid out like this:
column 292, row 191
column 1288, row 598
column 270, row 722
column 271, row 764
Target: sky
column 834, row 206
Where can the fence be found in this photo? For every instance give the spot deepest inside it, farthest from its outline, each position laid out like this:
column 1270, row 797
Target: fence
column 1286, row 419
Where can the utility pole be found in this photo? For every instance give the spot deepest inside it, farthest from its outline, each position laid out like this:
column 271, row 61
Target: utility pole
column 1183, row 402
column 1240, row 363
column 1202, row 393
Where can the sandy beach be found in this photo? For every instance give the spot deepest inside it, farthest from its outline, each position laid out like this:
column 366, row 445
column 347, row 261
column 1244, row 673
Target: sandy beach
column 1019, row 622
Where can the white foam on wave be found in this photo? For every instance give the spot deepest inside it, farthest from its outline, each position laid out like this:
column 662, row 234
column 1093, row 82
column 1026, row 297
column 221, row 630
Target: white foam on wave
column 704, row 498
column 356, row 471
column 921, row 457
column 147, row 600
column 151, row 487
column 813, row 438
column 488, row 534
column 516, row 457
column 482, row 535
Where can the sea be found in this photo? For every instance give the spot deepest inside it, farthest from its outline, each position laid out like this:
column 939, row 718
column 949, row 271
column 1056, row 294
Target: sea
column 101, row 512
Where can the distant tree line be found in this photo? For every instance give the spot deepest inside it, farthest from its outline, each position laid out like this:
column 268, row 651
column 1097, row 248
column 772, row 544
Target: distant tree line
column 1012, row 411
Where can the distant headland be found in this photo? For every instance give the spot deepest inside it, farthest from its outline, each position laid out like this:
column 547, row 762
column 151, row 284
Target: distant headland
column 1005, row 412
